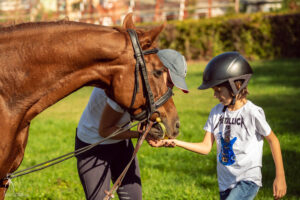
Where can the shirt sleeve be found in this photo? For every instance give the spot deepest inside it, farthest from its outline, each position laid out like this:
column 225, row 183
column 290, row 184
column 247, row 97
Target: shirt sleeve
column 126, row 116
column 209, row 127
column 114, row 105
column 261, row 124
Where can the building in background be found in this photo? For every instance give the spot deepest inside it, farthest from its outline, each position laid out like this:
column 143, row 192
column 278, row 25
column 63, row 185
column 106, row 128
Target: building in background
column 112, row 12
column 250, row 6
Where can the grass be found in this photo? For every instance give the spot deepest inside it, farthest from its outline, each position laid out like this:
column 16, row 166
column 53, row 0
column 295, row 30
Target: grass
column 169, row 173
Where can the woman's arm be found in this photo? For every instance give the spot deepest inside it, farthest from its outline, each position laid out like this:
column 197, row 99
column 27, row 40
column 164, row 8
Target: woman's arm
column 108, row 122
column 279, row 185
column 203, row 147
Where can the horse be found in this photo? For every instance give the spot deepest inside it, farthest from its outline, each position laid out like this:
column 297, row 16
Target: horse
column 43, row 62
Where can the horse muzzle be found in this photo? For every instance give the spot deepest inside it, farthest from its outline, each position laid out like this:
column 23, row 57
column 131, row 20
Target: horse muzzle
column 161, row 131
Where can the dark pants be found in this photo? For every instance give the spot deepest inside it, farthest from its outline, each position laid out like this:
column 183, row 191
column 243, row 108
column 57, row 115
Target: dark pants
column 106, row 162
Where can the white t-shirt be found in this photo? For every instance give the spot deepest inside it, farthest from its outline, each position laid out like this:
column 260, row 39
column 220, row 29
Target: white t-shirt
column 239, row 137
column 88, row 126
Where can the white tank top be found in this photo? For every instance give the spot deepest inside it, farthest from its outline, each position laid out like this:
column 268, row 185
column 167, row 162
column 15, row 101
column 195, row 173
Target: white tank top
column 88, row 126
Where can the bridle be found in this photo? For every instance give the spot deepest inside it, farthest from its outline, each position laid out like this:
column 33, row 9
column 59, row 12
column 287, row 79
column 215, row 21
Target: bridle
column 140, row 67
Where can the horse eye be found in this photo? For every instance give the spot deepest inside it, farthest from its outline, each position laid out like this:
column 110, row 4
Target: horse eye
column 157, row 73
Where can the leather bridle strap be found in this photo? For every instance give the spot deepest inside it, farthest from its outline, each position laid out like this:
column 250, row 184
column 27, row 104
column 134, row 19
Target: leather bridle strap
column 140, row 61
column 142, row 115
column 141, row 67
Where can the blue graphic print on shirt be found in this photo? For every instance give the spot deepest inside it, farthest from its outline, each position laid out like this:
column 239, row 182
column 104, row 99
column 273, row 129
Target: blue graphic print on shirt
column 227, row 156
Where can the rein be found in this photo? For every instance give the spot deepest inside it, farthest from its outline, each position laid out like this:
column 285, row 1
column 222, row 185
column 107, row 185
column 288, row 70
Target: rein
column 64, row 157
column 4, row 183
column 110, row 193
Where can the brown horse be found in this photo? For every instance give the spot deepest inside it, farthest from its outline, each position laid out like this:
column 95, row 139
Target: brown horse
column 41, row 63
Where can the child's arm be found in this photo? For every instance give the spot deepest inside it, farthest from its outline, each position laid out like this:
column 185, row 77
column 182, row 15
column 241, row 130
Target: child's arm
column 203, row 148
column 279, row 185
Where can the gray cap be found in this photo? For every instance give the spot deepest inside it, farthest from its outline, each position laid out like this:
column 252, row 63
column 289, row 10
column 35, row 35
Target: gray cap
column 177, row 66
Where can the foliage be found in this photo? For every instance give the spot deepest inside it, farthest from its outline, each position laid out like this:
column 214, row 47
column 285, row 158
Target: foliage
column 257, row 36
column 169, row 173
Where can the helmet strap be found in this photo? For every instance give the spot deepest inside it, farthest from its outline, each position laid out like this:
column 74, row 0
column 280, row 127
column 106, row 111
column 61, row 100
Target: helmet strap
column 231, row 103
column 233, row 100
column 245, row 77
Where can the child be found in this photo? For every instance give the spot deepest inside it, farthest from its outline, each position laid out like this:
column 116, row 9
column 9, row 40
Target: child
column 239, row 128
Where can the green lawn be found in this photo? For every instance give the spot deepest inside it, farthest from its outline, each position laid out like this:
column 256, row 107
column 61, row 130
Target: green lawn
column 170, row 173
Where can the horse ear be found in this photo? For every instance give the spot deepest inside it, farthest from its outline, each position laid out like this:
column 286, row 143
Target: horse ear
column 150, row 36
column 128, row 22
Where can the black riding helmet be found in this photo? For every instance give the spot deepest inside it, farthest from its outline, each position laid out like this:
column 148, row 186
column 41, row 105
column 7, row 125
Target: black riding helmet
column 229, row 66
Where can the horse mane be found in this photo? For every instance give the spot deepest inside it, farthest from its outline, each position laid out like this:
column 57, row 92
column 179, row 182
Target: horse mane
column 27, row 25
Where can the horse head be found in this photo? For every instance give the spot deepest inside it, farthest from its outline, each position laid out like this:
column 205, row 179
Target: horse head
column 123, row 85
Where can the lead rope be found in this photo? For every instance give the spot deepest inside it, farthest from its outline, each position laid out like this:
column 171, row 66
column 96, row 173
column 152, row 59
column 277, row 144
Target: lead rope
column 64, row 157
column 110, row 193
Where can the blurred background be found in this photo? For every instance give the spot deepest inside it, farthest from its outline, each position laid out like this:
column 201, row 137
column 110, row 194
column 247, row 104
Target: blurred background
column 199, row 29
column 111, row 12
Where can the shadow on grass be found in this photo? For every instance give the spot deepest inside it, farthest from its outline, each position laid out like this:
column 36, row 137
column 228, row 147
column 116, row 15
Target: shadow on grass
column 282, row 111
column 277, row 72
column 281, row 107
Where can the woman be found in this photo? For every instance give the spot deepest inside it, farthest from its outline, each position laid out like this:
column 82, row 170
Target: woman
column 101, row 117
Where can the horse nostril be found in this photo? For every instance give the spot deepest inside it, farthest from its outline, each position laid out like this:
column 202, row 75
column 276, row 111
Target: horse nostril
column 177, row 125
column 176, row 129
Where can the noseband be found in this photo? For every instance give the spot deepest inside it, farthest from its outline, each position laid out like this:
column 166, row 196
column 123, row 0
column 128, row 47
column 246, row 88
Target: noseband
column 140, row 67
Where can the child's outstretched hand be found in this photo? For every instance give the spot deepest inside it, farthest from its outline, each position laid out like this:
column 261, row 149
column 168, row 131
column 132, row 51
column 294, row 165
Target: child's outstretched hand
column 279, row 187
column 161, row 143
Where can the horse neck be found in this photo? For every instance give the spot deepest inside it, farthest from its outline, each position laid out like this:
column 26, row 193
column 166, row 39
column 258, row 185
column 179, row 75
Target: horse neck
column 58, row 49
column 69, row 43
column 43, row 59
